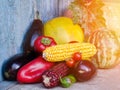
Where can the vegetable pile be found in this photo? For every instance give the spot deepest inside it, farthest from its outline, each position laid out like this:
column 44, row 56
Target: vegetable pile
column 63, row 54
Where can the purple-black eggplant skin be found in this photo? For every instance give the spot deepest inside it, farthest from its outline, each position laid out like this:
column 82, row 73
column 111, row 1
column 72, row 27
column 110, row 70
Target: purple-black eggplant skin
column 35, row 30
column 13, row 64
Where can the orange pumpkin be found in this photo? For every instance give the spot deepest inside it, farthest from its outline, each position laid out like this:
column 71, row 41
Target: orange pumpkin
column 108, row 48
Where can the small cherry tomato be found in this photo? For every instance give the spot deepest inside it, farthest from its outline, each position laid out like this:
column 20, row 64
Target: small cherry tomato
column 77, row 56
column 70, row 63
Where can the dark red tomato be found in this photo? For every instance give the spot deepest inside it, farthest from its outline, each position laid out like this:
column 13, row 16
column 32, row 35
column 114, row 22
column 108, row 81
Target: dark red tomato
column 77, row 56
column 84, row 70
column 70, row 63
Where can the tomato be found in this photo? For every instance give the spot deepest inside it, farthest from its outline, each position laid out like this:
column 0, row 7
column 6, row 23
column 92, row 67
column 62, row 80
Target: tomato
column 77, row 56
column 70, row 63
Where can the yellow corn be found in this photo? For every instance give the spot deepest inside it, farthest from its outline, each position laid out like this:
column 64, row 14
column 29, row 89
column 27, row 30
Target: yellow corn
column 65, row 51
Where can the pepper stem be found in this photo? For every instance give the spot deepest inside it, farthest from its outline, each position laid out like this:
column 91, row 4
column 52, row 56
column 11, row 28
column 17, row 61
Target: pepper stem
column 45, row 41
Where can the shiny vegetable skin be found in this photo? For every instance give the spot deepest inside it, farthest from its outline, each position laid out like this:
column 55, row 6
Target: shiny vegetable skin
column 32, row 72
column 77, row 56
column 42, row 42
column 84, row 70
column 70, row 62
column 13, row 64
column 67, row 81
column 35, row 30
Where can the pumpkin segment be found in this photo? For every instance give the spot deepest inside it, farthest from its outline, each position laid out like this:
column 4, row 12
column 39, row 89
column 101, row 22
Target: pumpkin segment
column 108, row 48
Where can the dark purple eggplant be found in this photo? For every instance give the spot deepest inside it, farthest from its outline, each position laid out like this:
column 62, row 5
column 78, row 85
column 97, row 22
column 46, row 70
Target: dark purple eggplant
column 35, row 30
column 13, row 64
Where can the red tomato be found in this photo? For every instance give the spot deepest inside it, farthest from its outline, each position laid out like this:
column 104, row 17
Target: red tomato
column 70, row 63
column 77, row 56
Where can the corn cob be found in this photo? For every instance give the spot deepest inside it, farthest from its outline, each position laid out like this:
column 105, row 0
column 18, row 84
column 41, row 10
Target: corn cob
column 51, row 77
column 64, row 51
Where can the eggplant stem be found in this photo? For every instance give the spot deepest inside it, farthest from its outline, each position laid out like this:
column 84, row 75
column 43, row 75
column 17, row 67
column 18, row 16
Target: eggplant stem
column 36, row 12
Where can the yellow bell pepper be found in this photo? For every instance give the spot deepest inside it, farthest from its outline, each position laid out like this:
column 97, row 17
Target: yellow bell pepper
column 63, row 30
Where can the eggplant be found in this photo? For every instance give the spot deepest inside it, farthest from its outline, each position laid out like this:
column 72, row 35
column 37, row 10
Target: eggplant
column 13, row 64
column 35, row 30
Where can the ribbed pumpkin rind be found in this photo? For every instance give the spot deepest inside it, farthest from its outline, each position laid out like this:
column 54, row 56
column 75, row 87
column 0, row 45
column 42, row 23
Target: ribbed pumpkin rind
column 108, row 49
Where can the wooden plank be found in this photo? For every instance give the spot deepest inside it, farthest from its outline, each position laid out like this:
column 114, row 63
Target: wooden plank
column 4, row 85
column 15, row 18
column 63, row 5
column 48, row 9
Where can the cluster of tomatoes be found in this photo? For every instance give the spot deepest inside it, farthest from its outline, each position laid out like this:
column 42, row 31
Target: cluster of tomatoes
column 77, row 56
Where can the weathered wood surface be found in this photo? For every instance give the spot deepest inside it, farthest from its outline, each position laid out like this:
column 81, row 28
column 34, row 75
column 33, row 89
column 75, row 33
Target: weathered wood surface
column 104, row 80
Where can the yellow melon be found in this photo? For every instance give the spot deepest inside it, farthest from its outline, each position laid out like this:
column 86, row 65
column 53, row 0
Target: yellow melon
column 108, row 48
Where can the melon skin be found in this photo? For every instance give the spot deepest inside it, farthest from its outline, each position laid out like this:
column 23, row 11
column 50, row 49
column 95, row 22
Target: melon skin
column 108, row 49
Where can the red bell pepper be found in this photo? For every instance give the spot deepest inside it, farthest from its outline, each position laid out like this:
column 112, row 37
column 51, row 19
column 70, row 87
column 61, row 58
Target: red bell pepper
column 32, row 71
column 42, row 42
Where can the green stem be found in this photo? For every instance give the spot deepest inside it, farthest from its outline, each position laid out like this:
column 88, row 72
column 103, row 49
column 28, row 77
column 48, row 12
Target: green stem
column 46, row 41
